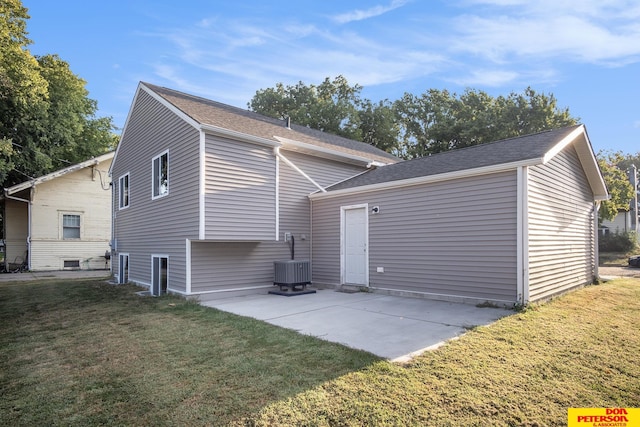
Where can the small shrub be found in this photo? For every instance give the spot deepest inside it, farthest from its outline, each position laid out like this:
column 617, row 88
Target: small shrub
column 626, row 241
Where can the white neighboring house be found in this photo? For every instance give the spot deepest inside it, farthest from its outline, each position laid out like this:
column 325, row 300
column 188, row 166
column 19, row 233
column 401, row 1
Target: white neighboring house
column 60, row 221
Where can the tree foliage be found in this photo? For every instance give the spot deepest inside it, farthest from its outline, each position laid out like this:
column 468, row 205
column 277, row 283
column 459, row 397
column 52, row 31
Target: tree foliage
column 47, row 120
column 439, row 120
column 620, row 189
column 330, row 107
column 415, row 125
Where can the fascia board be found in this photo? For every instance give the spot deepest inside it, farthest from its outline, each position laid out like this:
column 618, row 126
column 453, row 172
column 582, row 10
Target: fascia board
column 178, row 112
column 587, row 159
column 427, row 179
column 28, row 184
column 161, row 100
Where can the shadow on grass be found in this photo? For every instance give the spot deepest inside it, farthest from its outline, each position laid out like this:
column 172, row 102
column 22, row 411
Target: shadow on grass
column 89, row 353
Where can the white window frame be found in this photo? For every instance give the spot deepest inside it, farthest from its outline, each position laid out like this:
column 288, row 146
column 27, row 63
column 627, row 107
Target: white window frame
column 155, row 274
column 155, row 176
column 62, row 226
column 123, row 270
column 122, row 193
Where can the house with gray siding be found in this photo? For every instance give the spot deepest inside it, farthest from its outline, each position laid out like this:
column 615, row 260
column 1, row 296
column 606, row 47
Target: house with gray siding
column 512, row 221
column 204, row 195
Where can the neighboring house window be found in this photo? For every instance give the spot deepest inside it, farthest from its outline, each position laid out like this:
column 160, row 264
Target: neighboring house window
column 161, row 175
column 70, row 226
column 123, row 191
column 75, row 263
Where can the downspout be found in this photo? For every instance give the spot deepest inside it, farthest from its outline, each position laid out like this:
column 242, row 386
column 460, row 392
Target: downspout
column 114, row 203
column 28, row 202
column 276, row 151
column 596, row 250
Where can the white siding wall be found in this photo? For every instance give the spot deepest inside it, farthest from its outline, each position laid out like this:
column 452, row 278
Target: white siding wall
column 561, row 236
column 85, row 193
column 159, row 226
column 454, row 238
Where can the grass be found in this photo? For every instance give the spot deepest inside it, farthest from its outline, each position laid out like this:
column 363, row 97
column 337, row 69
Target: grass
column 615, row 259
column 85, row 353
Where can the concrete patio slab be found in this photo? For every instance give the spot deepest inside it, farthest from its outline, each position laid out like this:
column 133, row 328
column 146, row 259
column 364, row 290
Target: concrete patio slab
column 392, row 327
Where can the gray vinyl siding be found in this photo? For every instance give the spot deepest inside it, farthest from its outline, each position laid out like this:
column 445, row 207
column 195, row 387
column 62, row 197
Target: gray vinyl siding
column 157, row 226
column 240, row 183
column 452, row 238
column 220, row 266
column 561, row 232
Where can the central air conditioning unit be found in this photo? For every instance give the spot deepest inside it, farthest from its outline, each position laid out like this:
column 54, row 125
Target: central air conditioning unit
column 292, row 273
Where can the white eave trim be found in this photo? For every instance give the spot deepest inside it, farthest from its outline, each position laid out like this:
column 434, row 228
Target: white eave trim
column 587, row 158
column 563, row 144
column 328, row 151
column 428, row 179
column 53, row 175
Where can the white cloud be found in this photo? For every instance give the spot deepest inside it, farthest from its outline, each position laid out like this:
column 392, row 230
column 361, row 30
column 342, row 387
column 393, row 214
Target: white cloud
column 602, row 32
column 495, row 43
column 359, row 15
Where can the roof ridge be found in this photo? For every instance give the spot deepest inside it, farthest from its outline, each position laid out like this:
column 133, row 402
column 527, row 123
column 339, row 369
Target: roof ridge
column 484, row 144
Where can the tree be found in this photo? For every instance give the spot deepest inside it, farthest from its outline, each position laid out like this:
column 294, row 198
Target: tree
column 628, row 160
column 378, row 125
column 330, row 107
column 47, row 120
column 617, row 180
column 439, row 120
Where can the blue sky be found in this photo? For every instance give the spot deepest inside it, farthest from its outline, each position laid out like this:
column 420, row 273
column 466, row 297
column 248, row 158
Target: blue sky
column 585, row 52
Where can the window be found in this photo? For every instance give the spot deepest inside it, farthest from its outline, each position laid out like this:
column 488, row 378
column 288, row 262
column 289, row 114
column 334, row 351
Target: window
column 159, row 276
column 161, row 175
column 123, row 190
column 74, row 263
column 123, row 268
column 70, row 226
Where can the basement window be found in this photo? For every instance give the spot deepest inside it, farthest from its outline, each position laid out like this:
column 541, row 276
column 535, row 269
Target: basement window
column 72, row 263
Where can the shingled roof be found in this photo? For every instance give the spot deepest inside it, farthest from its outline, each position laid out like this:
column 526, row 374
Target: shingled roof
column 207, row 112
column 530, row 149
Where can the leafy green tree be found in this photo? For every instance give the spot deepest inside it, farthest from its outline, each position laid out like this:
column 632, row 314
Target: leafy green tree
column 620, row 189
column 378, row 125
column 47, row 120
column 439, row 120
column 330, row 107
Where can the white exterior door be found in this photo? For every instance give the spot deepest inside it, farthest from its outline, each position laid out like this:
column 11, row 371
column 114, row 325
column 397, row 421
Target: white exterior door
column 355, row 236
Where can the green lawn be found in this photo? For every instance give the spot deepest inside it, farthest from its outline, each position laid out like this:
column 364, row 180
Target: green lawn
column 87, row 353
